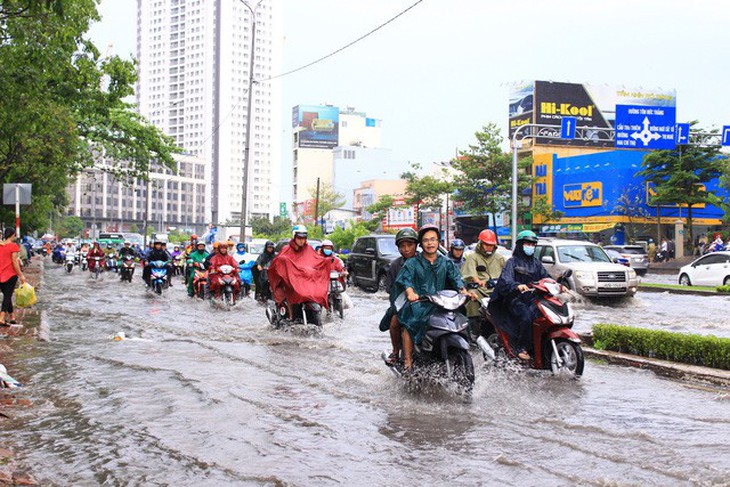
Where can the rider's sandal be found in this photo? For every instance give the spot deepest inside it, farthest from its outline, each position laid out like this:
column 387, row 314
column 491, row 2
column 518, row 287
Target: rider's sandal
column 392, row 359
column 523, row 355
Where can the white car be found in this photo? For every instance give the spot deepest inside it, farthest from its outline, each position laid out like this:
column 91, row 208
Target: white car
column 503, row 251
column 712, row 269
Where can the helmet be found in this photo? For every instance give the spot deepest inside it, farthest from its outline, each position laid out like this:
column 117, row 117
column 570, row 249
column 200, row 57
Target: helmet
column 425, row 229
column 156, row 241
column 269, row 243
column 457, row 244
column 108, row 245
column 488, row 237
column 527, row 236
column 193, row 237
column 176, row 247
column 406, row 234
column 325, row 243
column 299, row 231
column 199, row 244
column 127, row 242
column 216, row 245
column 240, row 245
column 230, row 243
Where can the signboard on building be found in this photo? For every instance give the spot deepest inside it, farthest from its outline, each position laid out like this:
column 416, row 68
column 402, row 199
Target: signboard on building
column 319, row 126
column 546, row 103
column 640, row 127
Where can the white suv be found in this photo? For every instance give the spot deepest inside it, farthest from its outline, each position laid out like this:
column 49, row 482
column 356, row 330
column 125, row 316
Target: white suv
column 593, row 272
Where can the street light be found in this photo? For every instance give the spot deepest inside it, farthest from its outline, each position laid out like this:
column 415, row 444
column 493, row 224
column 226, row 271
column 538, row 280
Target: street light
column 247, row 151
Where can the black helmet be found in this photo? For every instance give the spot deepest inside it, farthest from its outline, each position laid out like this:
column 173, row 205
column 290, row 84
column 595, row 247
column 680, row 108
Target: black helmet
column 269, row 243
column 425, row 229
column 406, row 234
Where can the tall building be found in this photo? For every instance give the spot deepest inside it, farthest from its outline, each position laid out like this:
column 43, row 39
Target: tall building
column 193, row 83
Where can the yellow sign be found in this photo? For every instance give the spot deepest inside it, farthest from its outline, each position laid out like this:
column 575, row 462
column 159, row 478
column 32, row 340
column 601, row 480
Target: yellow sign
column 582, row 195
column 651, row 193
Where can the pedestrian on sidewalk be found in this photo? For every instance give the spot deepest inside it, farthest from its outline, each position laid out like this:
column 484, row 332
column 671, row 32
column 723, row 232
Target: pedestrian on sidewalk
column 9, row 274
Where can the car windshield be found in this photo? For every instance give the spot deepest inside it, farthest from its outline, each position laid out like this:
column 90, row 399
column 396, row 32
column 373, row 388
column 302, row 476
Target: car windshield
column 582, row 253
column 256, row 248
column 387, row 246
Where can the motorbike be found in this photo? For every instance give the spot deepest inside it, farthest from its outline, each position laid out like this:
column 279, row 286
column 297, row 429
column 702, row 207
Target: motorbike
column 158, row 275
column 556, row 345
column 444, row 350
column 98, row 267
column 263, row 289
column 57, row 256
column 228, row 281
column 84, row 263
column 200, row 278
column 127, row 270
column 111, row 263
column 309, row 313
column 70, row 261
column 177, row 266
column 334, row 297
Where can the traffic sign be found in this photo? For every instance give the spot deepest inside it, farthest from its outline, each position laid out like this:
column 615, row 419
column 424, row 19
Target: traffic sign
column 681, row 133
column 645, row 127
column 726, row 135
column 567, row 128
column 282, row 210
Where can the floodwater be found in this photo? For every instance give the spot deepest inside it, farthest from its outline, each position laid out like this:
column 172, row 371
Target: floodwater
column 201, row 396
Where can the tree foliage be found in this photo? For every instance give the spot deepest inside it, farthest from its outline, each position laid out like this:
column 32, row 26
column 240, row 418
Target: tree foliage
column 64, row 104
column 329, row 199
column 262, row 227
column 425, row 192
column 680, row 176
column 484, row 180
column 70, row 227
column 378, row 210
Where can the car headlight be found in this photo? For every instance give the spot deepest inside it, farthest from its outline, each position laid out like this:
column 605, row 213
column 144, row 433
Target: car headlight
column 632, row 274
column 584, row 276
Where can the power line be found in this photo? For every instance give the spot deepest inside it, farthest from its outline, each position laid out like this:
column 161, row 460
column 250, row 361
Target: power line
column 316, row 61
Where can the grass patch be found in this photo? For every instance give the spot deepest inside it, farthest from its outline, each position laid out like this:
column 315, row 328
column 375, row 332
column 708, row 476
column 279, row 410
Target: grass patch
column 709, row 351
column 677, row 286
column 723, row 289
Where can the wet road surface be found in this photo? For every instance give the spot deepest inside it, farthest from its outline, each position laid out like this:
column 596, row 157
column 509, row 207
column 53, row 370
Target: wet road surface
column 201, row 396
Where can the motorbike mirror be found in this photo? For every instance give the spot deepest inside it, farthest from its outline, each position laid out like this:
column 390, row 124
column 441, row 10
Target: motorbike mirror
column 481, row 268
column 567, row 273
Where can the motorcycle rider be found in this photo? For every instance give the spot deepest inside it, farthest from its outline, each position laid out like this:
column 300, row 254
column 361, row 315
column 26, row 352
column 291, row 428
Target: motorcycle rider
column 406, row 240
column 307, row 280
column 245, row 265
column 110, row 257
column 456, row 252
column 327, row 250
column 127, row 250
column 483, row 267
column 263, row 262
column 155, row 254
column 512, row 286
column 219, row 259
column 193, row 245
column 199, row 255
column 95, row 251
column 426, row 273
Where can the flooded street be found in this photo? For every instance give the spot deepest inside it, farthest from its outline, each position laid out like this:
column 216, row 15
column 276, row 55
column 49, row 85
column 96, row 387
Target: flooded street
column 201, row 396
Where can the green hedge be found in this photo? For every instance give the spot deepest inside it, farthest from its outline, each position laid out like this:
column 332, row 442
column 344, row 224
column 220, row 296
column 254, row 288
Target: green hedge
column 723, row 289
column 709, row 351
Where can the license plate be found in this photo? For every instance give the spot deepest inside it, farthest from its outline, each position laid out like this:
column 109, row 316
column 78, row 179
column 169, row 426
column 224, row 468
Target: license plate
column 612, row 285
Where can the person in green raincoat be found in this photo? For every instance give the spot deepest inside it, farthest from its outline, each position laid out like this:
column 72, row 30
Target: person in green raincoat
column 480, row 267
column 426, row 273
column 197, row 256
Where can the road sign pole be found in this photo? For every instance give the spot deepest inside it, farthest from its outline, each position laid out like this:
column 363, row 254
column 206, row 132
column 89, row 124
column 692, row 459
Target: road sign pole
column 17, row 211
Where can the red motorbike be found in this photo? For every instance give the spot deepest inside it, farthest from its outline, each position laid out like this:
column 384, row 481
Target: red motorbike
column 556, row 346
column 199, row 277
column 225, row 284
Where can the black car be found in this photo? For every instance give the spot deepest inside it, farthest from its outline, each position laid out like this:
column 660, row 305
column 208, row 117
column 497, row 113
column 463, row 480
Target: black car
column 369, row 260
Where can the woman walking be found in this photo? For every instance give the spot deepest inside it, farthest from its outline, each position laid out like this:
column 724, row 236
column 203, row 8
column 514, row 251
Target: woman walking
column 9, row 274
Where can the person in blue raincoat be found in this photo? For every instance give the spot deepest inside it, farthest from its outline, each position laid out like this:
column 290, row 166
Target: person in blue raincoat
column 426, row 273
column 245, row 263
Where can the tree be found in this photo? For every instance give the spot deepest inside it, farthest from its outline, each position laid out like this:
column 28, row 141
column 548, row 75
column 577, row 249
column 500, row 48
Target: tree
column 70, row 227
column 63, row 105
column 484, row 182
column 329, row 199
column 542, row 208
column 263, row 228
column 378, row 211
column 680, row 176
column 630, row 204
column 344, row 238
column 133, row 228
column 426, row 192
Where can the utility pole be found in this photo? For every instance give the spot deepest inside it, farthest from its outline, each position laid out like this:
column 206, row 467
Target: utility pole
column 316, row 206
column 247, row 150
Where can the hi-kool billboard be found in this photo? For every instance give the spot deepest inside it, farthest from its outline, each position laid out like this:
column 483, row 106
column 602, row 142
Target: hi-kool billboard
column 320, row 126
column 546, row 103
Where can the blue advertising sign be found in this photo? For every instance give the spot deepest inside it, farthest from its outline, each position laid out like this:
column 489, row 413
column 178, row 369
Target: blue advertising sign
column 682, row 134
column 726, row 135
column 642, row 127
column 320, row 126
column 567, row 127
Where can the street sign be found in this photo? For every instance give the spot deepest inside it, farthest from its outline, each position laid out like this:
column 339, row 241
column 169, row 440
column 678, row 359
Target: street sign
column 567, row 128
column 645, row 127
column 24, row 191
column 282, row 210
column 681, row 133
column 726, row 135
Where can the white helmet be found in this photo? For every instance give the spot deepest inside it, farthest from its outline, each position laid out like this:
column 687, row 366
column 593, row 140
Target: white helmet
column 325, row 243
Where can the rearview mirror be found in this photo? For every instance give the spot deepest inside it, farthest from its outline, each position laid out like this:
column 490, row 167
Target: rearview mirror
column 370, row 251
column 548, row 259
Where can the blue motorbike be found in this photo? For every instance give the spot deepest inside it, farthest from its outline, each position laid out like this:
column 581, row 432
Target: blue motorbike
column 158, row 275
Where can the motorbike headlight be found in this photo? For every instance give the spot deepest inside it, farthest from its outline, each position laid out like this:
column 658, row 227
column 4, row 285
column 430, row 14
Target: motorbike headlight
column 584, row 276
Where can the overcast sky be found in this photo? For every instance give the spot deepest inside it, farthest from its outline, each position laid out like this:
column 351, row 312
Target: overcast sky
column 443, row 70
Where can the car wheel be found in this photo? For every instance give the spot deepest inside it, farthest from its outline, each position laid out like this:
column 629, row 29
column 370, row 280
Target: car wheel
column 382, row 282
column 726, row 281
column 684, row 280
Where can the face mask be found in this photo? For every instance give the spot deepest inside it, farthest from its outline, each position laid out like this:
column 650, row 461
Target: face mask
column 529, row 251
column 327, row 252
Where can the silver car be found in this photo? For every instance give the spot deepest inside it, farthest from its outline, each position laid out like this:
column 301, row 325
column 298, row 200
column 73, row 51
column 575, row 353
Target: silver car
column 593, row 272
column 638, row 258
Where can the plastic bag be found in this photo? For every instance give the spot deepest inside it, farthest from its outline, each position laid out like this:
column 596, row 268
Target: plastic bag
column 25, row 296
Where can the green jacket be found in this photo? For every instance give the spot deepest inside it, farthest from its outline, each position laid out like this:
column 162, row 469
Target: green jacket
column 494, row 264
column 425, row 278
column 198, row 256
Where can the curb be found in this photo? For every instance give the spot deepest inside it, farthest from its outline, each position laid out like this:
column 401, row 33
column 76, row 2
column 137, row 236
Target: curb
column 665, row 368
column 695, row 292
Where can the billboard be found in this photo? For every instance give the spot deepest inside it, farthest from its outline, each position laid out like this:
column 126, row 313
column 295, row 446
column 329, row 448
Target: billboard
column 319, row 124
column 546, row 103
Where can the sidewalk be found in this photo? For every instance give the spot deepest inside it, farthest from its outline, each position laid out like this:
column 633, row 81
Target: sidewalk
column 671, row 266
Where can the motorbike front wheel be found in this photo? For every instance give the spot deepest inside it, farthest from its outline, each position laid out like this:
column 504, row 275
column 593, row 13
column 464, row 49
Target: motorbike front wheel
column 314, row 317
column 158, row 287
column 462, row 369
column 569, row 359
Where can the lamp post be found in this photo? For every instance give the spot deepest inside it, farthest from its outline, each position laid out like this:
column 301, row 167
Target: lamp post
column 247, row 149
